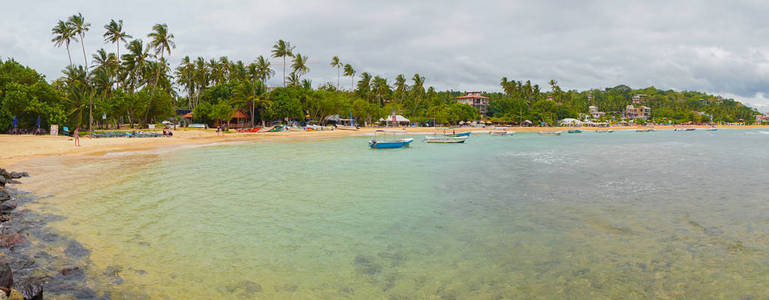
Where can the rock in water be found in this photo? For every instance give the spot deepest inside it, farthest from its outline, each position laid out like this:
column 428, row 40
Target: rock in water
column 8, row 206
column 6, row 277
column 10, row 240
column 2, row 181
column 4, row 173
column 31, row 289
column 4, row 196
column 17, row 175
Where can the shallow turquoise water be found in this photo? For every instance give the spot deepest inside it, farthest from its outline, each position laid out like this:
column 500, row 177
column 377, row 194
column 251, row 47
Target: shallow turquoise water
column 584, row 216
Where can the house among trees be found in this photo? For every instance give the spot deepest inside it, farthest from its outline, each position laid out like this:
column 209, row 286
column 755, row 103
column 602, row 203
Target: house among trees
column 641, row 112
column 639, row 98
column 595, row 113
column 475, row 99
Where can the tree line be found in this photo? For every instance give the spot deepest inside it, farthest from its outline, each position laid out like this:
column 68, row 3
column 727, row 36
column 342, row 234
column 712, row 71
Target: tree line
column 138, row 86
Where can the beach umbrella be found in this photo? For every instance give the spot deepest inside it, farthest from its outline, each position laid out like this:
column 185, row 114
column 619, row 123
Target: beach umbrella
column 15, row 122
column 38, row 122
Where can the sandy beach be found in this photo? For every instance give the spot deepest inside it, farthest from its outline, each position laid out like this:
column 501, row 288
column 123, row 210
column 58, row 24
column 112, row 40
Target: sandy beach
column 18, row 148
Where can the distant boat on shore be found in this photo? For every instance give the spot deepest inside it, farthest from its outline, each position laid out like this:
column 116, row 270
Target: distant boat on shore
column 645, row 130
column 575, row 131
column 684, row 129
column 604, row 131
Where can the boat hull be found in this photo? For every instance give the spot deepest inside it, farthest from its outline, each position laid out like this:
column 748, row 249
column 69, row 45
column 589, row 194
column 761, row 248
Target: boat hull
column 390, row 144
column 445, row 140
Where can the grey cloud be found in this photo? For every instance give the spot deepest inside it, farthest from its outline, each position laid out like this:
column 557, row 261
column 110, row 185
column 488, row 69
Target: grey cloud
column 714, row 46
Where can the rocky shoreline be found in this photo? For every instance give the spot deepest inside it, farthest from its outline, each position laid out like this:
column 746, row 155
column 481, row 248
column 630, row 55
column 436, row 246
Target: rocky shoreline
column 33, row 257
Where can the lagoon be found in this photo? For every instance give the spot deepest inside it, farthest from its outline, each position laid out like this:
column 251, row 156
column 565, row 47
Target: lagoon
column 621, row 215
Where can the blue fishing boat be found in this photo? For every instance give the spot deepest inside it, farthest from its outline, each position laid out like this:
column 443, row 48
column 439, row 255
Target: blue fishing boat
column 575, row 131
column 382, row 143
column 462, row 134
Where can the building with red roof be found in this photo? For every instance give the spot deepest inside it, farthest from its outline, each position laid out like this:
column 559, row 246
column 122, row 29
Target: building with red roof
column 475, row 99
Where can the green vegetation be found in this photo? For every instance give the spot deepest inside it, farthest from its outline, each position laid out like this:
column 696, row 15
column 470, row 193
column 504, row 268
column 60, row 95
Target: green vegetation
column 139, row 87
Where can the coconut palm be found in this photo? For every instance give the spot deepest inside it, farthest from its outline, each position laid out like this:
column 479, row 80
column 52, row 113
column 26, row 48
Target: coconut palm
column 63, row 34
column 186, row 78
column 250, row 92
column 161, row 41
column 364, row 85
column 400, row 86
column 350, row 72
column 294, row 79
column 338, row 64
column 80, row 27
column 283, row 49
column 134, row 63
column 299, row 65
column 115, row 34
column 263, row 70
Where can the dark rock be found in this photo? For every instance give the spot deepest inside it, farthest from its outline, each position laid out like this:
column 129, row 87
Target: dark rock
column 17, row 175
column 2, row 181
column 8, row 206
column 6, row 277
column 31, row 289
column 76, row 250
column 75, row 271
column 13, row 239
column 4, row 173
column 4, row 195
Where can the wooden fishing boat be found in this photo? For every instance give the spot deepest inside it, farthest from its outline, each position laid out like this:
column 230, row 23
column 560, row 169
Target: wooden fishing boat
column 645, row 130
column 345, row 127
column 575, row 131
column 604, row 131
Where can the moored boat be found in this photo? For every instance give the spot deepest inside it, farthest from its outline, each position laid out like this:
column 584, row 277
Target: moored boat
column 575, row 131
column 604, row 131
column 501, row 133
column 382, row 143
column 550, row 133
column 645, row 130
column 446, row 139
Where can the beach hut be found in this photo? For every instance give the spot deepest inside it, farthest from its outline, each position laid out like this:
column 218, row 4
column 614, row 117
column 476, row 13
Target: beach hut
column 399, row 120
column 237, row 120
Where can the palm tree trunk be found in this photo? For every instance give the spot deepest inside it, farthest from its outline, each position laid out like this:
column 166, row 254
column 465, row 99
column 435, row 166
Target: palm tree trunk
column 152, row 91
column 337, row 77
column 69, row 55
column 90, row 96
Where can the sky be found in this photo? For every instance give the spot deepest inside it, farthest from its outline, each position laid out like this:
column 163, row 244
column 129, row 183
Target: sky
column 719, row 47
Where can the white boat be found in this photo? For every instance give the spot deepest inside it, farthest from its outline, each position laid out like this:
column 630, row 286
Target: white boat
column 501, row 133
column 344, row 127
column 550, row 133
column 446, row 139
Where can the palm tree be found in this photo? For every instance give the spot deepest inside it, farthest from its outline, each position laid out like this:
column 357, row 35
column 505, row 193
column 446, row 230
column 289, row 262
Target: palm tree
column 400, row 86
column 161, row 42
column 338, row 64
column 294, row 79
column 63, row 34
column 115, row 34
column 250, row 92
column 263, row 70
column 364, row 85
column 350, row 72
column 283, row 49
column 299, row 66
column 80, row 27
column 185, row 77
column 134, row 63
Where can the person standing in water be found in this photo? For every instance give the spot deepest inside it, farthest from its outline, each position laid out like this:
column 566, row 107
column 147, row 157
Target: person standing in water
column 76, row 134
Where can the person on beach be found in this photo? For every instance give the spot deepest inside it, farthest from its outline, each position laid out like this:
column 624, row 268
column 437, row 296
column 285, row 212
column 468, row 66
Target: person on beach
column 218, row 129
column 76, row 135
